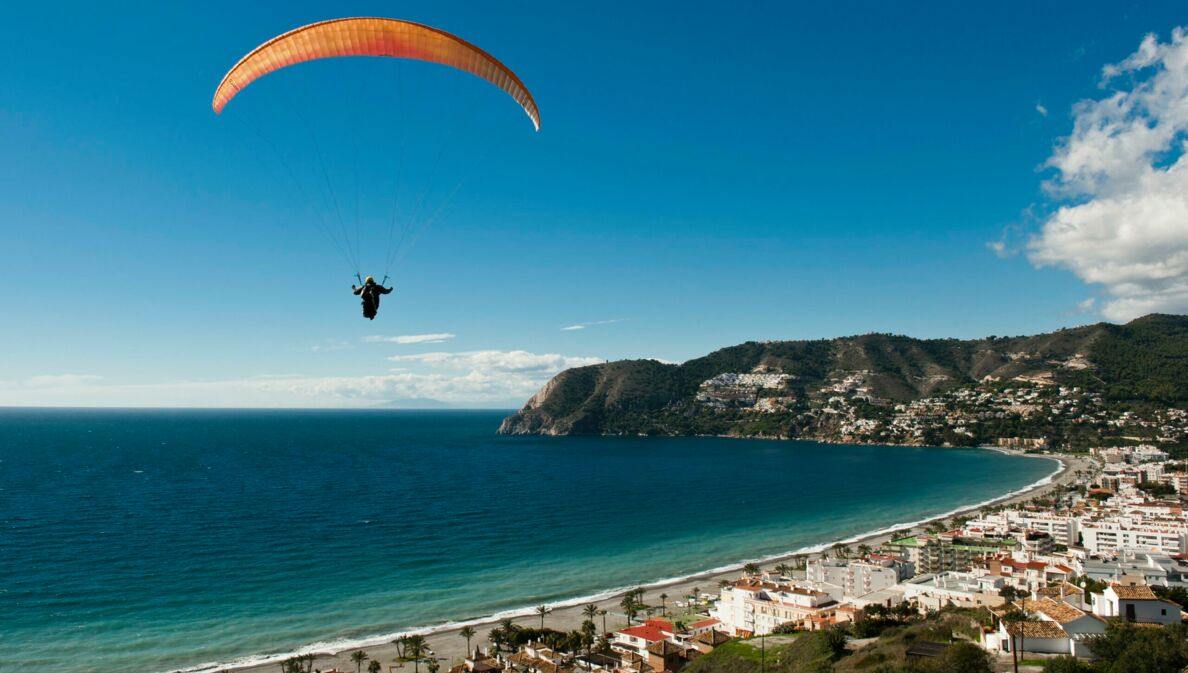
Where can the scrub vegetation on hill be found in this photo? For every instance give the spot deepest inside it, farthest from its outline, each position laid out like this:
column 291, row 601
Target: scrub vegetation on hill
column 856, row 388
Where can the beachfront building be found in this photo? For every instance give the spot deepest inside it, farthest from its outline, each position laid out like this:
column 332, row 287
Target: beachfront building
column 932, row 554
column 845, row 579
column 751, row 607
column 1134, row 603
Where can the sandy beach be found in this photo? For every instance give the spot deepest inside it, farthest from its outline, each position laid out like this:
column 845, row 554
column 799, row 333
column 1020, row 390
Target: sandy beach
column 449, row 647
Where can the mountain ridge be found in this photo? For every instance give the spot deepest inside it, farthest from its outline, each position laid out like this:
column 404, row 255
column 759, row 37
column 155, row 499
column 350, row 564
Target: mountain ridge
column 798, row 388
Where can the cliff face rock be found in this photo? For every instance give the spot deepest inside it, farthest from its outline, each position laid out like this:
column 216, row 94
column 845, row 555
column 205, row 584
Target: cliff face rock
column 798, row 388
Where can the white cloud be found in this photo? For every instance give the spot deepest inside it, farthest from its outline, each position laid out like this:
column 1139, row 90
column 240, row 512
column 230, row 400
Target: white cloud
column 411, row 338
column 62, row 380
column 502, row 379
column 330, row 345
column 1122, row 186
column 1043, row 111
column 583, row 325
column 1086, row 305
column 499, row 361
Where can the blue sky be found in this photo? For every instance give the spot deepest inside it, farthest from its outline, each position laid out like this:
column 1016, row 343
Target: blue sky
column 704, row 175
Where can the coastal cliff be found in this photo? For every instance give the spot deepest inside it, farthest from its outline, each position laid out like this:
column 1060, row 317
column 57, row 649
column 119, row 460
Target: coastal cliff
column 1059, row 388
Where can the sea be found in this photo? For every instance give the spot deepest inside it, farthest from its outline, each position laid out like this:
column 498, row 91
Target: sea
column 146, row 541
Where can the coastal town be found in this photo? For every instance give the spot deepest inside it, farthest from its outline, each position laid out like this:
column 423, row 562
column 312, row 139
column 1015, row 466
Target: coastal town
column 1019, row 413
column 1041, row 580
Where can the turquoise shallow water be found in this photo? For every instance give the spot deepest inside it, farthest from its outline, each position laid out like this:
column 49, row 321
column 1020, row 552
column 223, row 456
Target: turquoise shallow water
column 146, row 541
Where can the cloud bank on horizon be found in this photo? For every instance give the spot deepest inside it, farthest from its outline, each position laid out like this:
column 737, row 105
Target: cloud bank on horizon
column 1122, row 185
column 487, row 378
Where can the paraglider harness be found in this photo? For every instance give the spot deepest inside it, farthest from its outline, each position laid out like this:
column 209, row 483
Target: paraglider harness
column 370, row 293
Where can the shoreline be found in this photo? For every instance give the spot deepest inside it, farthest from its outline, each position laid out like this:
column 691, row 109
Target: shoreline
column 446, row 644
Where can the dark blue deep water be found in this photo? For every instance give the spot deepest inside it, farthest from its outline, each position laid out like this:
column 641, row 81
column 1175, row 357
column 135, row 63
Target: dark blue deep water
column 144, row 541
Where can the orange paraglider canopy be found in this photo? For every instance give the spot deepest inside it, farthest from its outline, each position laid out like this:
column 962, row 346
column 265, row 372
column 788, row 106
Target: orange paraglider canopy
column 372, row 36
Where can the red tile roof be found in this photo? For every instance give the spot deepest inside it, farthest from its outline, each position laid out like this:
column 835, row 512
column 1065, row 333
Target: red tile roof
column 646, row 632
column 705, row 623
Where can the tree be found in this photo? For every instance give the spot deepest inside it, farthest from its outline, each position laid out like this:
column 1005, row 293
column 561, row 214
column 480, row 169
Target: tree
column 590, row 611
column 1008, row 593
column 467, row 632
column 964, row 658
column 434, row 665
column 358, row 656
column 630, row 607
column 542, row 610
column 864, row 550
column 1066, row 665
column 589, row 632
column 751, row 569
column 1126, row 648
column 696, row 595
column 602, row 613
column 784, row 570
column 375, row 666
column 664, row 604
column 498, row 637
column 415, row 648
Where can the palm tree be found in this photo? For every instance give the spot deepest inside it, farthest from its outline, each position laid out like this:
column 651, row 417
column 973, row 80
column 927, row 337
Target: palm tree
column 722, row 584
column 358, row 656
column 845, row 551
column 497, row 636
column 375, row 666
column 590, row 611
column 864, row 550
column 784, row 570
column 414, row 648
column 542, row 610
column 588, row 631
column 751, row 569
column 663, row 605
column 434, row 665
column 467, row 632
column 630, row 607
column 602, row 613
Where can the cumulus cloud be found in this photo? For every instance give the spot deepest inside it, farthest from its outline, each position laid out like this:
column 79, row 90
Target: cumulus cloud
column 437, row 338
column 1121, row 186
column 583, row 325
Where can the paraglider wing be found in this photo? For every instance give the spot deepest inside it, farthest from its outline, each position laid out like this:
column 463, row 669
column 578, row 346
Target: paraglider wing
column 371, row 36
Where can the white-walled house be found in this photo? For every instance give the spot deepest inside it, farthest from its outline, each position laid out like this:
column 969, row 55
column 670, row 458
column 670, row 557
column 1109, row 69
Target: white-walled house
column 1137, row 603
column 1058, row 628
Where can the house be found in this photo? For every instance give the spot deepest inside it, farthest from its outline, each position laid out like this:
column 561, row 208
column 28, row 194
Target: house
column 478, row 662
column 710, row 640
column 665, row 656
column 1054, row 627
column 1135, row 603
column 636, row 639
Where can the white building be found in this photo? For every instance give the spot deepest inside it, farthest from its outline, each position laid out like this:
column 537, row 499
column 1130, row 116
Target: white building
column 1111, row 537
column 856, row 578
column 751, row 607
column 1135, row 604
